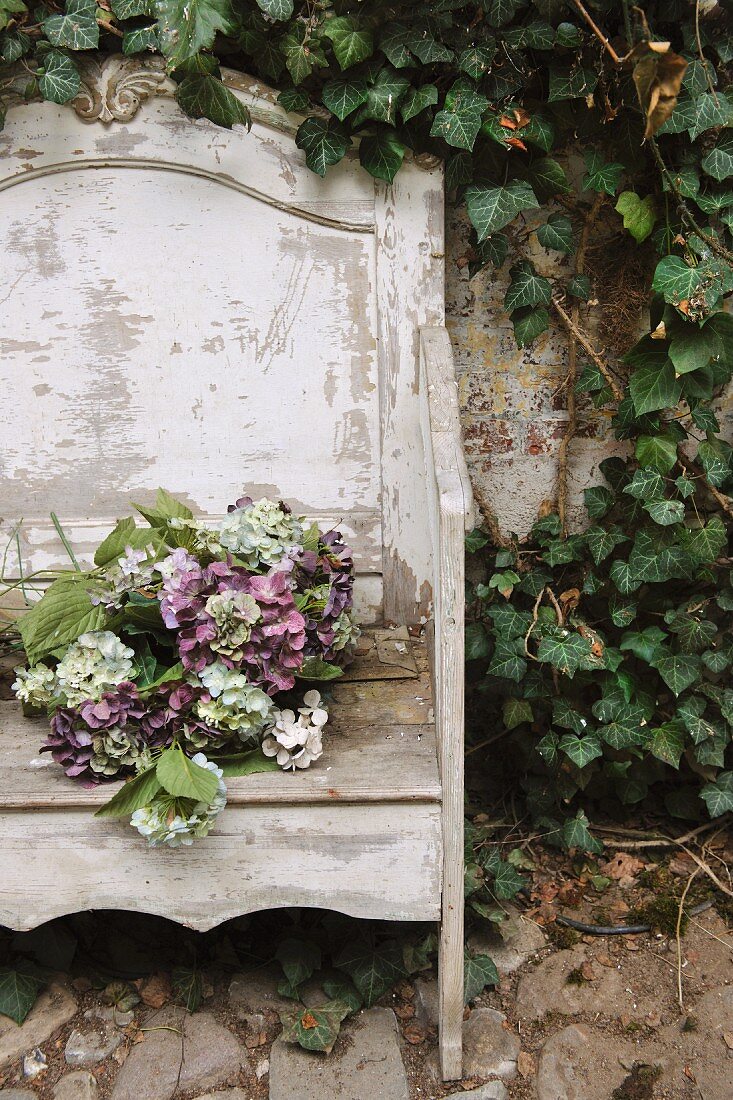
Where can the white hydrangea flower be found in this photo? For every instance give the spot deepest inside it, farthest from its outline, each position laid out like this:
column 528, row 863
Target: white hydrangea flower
column 261, row 533
column 235, row 704
column 133, row 569
column 35, row 686
column 96, row 662
column 297, row 742
column 178, row 821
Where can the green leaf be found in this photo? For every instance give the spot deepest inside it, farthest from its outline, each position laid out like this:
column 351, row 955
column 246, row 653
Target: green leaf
column 579, row 286
column 188, row 986
column 622, row 611
column 460, row 120
column 301, row 58
column 576, row 834
column 718, row 163
column 297, row 101
column 654, row 387
column 132, row 795
column 323, row 142
column 527, row 288
column 548, row 178
column 572, row 83
column 19, row 988
column 506, row 663
column 564, row 649
column 315, row 668
column 204, row 96
column 602, row 541
column 393, row 44
column 667, row 743
column 180, row 777
column 540, row 132
column 341, row 989
column 60, row 80
column 715, row 457
column 601, row 176
column 657, row 452
column 315, row 1028
column 351, row 42
column 475, row 541
column 382, row 154
column 718, row 796
column 598, row 501
column 645, row 644
column 477, row 642
column 478, row 972
column 698, row 114
column 126, row 534
column 639, row 214
column 665, row 512
column 491, row 208
column 692, row 347
column 581, row 750
column 63, row 613
column 556, row 233
column 187, row 26
column 623, row 577
column 529, row 324
column 675, row 280
column 476, row 60
column 373, row 970
column 516, row 712
column 166, row 508
column 140, row 39
column 245, row 763
column 417, row 99
column 507, row 881
column 276, row 9
column 298, row 959
column 384, row 96
column 77, row 29
column 678, row 671
column 9, row 8
column 13, row 46
column 706, row 543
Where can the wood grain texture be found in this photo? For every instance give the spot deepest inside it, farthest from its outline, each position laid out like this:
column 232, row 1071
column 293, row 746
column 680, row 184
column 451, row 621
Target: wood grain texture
column 410, row 293
column 376, row 861
column 450, row 509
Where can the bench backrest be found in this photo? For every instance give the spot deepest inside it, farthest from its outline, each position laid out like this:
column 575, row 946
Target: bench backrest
column 191, row 307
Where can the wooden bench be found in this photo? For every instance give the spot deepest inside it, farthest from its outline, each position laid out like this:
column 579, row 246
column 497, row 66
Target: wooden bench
column 192, row 307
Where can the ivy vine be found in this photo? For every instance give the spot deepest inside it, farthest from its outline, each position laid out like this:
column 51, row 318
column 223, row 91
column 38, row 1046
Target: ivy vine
column 607, row 653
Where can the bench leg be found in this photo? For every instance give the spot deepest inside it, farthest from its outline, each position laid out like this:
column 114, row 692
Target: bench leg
column 450, row 982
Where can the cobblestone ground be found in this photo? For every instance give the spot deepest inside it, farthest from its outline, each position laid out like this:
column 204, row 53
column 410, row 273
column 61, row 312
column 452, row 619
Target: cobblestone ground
column 599, row 1020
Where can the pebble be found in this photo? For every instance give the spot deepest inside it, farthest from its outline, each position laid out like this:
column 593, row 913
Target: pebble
column 492, row 1090
column 89, row 1045
column 511, row 944
column 489, row 1049
column 54, row 1008
column 34, row 1063
column 579, row 1064
column 79, row 1085
column 368, row 1067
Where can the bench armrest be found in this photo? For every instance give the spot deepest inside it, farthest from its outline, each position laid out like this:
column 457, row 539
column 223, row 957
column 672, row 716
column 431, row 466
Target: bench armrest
column 450, row 506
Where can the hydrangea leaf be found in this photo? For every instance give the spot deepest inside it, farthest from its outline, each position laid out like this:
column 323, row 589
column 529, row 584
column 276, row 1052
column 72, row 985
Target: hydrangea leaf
column 323, row 142
column 60, row 80
column 132, row 795
column 315, row 668
column 491, row 208
column 187, row 26
column 351, row 42
column 382, row 154
column 63, row 613
column 182, row 778
column 478, row 972
column 245, row 763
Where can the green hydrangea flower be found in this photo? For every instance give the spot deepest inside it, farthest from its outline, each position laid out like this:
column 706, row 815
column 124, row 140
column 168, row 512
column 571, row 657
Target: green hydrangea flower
column 96, row 662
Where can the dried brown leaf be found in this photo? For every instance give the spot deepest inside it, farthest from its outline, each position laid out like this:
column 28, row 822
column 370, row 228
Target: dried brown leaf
column 657, row 73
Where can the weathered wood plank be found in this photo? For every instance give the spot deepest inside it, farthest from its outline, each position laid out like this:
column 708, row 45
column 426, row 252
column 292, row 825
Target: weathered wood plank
column 377, row 861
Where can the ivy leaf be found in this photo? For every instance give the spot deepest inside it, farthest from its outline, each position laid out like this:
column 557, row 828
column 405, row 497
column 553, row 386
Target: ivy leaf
column 548, row 178
column 140, row 39
column 718, row 163
column 276, row 9
column 460, row 120
column 19, row 988
column 574, row 83
column 491, row 208
column 384, row 96
column 202, row 95
column 372, row 970
column 529, row 324
column 581, row 750
column 675, row 280
column 678, row 670
column 299, row 960
column 602, row 541
column 718, row 796
column 654, row 387
column 323, row 142
column 506, row 663
column 579, row 287
column 77, row 29
column 188, row 986
column 476, row 641
column 527, row 288
column 667, row 743
column 131, row 9
column 598, row 501
column 187, row 26
column 182, row 778
column 301, row 59
column 9, row 8
column 382, row 154
column 654, row 453
column 556, row 233
column 564, row 649
column 623, row 577
column 315, row 1028
column 507, row 881
column 516, row 712
column 133, row 795
column 478, row 972
column 706, row 543
column 698, row 114
column 576, row 834
column 417, row 99
column 665, row 512
column 501, row 12
column 475, row 61
column 622, row 611
column 351, row 42
column 60, row 80
column 600, row 175
column 715, row 457
column 297, row 101
column 639, row 214
column 393, row 44
column 342, row 97
column 539, row 131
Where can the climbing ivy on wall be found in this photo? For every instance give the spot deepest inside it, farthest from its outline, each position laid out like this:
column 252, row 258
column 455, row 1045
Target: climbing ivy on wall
column 598, row 133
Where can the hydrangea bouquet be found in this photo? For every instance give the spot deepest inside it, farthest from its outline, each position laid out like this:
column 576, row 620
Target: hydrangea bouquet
column 177, row 660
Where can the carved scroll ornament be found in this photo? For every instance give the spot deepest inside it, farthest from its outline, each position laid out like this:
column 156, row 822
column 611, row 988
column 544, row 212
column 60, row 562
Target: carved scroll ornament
column 112, row 89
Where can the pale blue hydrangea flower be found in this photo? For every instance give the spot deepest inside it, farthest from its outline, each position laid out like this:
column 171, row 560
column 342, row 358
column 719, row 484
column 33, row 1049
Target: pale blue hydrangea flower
column 35, row 686
column 178, row 821
column 96, row 662
column 235, row 704
column 260, row 533
column 133, row 569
